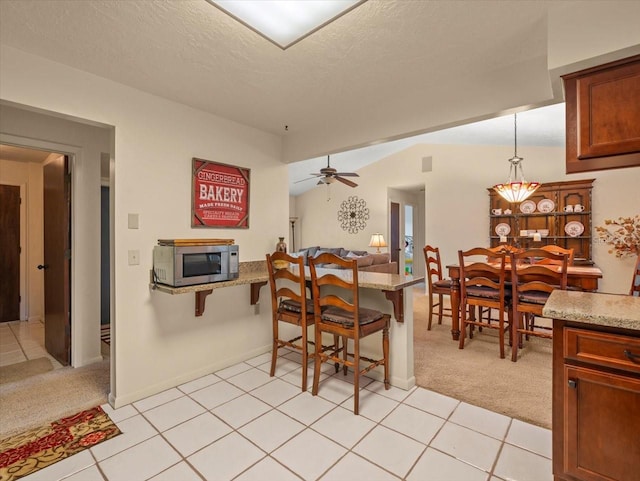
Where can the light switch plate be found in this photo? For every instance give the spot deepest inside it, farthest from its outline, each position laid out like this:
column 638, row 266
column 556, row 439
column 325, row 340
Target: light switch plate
column 133, row 221
column 134, row 258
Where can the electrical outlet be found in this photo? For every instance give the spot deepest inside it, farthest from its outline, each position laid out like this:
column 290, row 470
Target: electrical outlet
column 134, row 258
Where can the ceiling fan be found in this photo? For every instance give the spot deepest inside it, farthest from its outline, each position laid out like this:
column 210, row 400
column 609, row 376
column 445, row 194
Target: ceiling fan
column 328, row 175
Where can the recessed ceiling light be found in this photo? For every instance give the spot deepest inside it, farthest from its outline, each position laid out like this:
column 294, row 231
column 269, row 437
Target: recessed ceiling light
column 285, row 22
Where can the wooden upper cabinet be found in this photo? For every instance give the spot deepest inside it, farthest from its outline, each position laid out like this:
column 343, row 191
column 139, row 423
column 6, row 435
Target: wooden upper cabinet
column 603, row 116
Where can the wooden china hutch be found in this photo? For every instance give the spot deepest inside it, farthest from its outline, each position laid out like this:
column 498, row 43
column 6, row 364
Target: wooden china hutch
column 551, row 208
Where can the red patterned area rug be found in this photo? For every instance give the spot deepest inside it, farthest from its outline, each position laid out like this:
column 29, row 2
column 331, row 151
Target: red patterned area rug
column 26, row 453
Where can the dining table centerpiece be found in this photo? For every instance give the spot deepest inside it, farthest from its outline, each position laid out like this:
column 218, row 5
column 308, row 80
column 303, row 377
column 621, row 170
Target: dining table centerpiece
column 622, row 234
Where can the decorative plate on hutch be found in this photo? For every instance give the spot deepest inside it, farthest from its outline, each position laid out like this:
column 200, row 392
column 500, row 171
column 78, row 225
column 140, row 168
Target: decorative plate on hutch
column 503, row 229
column 574, row 228
column 546, row 205
column 528, row 207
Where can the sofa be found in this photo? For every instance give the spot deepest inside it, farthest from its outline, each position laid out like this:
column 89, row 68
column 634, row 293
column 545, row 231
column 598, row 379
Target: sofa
column 367, row 262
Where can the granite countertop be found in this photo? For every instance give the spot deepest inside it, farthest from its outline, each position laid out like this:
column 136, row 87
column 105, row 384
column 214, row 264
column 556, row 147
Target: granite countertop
column 256, row 271
column 611, row 310
column 250, row 273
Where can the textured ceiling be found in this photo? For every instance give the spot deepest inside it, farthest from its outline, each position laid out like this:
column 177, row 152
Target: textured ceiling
column 387, row 69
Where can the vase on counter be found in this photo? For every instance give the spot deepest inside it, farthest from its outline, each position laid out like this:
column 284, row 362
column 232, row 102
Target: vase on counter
column 281, row 246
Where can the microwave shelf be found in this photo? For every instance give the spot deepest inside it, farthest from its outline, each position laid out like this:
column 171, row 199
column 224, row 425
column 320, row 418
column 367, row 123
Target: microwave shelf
column 252, row 272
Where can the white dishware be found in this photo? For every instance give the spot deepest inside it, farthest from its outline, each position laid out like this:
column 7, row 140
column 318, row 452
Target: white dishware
column 503, row 229
column 543, row 232
column 546, row 205
column 568, row 208
column 507, row 211
column 578, row 208
column 574, row 228
column 496, row 211
column 528, row 207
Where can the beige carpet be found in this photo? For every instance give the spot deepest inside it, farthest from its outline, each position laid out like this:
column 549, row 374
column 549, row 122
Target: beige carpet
column 53, row 395
column 23, row 370
column 477, row 375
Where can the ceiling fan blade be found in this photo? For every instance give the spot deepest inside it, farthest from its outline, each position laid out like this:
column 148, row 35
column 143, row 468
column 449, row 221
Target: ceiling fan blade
column 346, row 182
column 347, row 174
column 303, row 180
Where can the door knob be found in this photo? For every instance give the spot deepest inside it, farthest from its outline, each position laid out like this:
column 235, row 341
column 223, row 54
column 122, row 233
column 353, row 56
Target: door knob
column 45, row 266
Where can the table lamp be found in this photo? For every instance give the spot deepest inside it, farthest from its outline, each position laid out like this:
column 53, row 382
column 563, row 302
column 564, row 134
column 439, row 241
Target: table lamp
column 377, row 241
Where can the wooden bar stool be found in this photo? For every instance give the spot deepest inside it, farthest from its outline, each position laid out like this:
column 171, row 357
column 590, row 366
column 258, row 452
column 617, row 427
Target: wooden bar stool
column 336, row 315
column 289, row 303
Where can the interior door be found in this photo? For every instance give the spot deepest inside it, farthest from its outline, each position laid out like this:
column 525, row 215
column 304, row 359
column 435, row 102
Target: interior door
column 57, row 259
column 9, row 253
column 395, row 234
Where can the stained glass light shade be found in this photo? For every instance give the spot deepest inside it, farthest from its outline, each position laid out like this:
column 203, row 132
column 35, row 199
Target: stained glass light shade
column 516, row 190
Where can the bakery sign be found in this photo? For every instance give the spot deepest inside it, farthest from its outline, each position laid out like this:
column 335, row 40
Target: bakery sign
column 220, row 195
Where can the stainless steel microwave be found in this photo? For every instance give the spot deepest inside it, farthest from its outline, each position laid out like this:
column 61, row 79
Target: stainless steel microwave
column 179, row 266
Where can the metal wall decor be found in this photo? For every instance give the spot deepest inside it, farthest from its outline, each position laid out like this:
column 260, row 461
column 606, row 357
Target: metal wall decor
column 353, row 214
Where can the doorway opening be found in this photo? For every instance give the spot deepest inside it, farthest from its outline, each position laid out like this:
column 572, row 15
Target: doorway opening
column 408, row 239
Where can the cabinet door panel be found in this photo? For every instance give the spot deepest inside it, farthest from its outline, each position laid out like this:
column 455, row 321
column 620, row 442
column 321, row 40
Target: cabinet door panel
column 609, row 112
column 602, row 425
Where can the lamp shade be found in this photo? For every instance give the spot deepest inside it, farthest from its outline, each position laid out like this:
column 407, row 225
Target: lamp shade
column 516, row 191
column 377, row 240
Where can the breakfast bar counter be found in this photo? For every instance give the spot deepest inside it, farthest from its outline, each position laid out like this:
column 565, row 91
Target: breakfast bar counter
column 376, row 288
column 255, row 273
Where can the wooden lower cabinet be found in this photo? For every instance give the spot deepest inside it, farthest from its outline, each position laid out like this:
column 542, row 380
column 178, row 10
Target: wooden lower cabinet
column 596, row 403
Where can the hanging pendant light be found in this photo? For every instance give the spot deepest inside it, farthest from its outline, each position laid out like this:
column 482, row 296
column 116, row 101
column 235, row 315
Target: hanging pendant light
column 516, row 189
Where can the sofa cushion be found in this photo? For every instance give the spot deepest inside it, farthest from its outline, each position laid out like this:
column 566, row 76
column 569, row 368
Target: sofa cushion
column 381, row 258
column 355, row 254
column 362, row 261
column 311, row 251
column 301, row 253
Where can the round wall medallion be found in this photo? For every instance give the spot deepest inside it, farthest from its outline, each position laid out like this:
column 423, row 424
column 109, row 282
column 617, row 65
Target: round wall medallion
column 353, row 214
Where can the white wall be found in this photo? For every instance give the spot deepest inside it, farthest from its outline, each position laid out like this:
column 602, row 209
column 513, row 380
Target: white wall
column 158, row 341
column 457, row 202
column 30, row 176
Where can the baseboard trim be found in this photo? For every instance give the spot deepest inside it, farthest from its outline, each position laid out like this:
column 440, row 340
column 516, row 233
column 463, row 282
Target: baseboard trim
column 118, row 401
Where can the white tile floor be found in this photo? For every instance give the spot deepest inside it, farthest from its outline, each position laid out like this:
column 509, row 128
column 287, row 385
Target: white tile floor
column 21, row 341
column 241, row 424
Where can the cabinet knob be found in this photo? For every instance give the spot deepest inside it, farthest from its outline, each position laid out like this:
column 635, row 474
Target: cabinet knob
column 631, row 356
column 573, row 383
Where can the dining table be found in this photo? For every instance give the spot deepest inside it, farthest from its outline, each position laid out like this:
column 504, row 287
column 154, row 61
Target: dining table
column 582, row 277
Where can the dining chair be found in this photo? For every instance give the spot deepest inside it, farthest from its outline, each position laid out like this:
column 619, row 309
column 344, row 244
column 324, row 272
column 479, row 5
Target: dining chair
column 531, row 286
column 556, row 250
column 290, row 304
column 482, row 284
column 507, row 250
column 436, row 283
column 338, row 312
column 635, row 280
